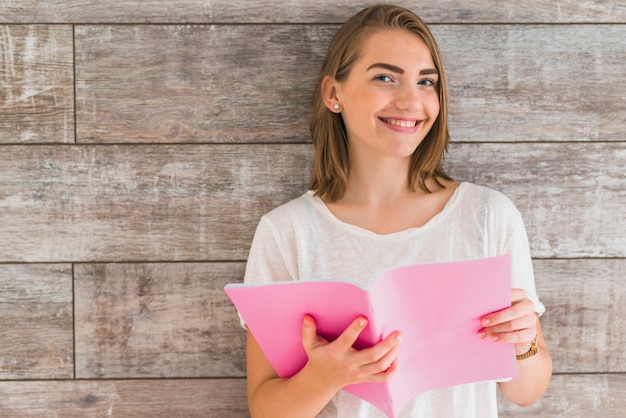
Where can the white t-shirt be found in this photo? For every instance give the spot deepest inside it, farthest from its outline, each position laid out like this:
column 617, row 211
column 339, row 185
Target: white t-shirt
column 303, row 240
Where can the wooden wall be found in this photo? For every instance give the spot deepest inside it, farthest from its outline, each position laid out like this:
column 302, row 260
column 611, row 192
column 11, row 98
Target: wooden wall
column 140, row 141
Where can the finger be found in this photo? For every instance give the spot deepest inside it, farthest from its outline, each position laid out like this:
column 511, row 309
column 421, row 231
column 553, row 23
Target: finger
column 515, row 337
column 383, row 363
column 386, row 374
column 522, row 330
column 379, row 357
column 517, row 310
column 349, row 336
column 525, row 322
column 310, row 339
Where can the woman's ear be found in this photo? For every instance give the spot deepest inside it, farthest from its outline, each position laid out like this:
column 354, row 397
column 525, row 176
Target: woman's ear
column 330, row 94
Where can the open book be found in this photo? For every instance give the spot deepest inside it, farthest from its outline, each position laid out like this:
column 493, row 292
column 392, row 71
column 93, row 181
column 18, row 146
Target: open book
column 436, row 306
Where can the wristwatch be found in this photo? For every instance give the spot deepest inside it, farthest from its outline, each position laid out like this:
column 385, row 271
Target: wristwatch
column 531, row 351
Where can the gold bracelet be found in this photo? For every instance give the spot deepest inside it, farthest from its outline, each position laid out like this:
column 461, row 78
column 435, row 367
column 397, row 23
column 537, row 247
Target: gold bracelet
column 531, row 351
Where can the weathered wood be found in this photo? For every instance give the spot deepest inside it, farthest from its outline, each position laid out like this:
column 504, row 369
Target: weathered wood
column 36, row 321
column 202, row 202
column 229, row 11
column 195, row 83
column 535, row 83
column 249, row 84
column 188, row 398
column 141, row 203
column 590, row 395
column 585, row 321
column 174, row 320
column 567, row 396
column 157, row 320
column 572, row 196
column 36, row 84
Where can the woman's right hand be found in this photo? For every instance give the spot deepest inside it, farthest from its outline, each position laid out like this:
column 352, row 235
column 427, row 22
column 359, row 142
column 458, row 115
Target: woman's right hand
column 337, row 364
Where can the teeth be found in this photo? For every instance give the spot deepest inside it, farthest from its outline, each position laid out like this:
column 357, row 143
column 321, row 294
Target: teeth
column 401, row 123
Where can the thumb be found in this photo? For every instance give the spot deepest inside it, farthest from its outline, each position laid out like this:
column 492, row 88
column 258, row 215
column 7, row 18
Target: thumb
column 309, row 332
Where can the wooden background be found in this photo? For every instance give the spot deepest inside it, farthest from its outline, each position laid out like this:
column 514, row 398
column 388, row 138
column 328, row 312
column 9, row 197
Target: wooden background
column 140, row 142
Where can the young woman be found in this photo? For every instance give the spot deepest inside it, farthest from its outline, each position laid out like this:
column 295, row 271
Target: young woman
column 379, row 197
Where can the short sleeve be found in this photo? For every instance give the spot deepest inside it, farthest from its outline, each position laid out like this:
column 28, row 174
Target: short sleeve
column 511, row 238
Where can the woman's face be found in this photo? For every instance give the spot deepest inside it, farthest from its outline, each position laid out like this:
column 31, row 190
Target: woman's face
column 389, row 101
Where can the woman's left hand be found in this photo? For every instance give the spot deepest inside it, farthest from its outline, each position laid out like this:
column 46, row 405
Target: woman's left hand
column 516, row 324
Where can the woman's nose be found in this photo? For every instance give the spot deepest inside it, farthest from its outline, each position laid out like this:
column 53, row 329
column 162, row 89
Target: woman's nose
column 409, row 98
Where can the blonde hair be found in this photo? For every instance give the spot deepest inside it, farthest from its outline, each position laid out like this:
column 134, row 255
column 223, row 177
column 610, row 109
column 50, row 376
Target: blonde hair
column 328, row 132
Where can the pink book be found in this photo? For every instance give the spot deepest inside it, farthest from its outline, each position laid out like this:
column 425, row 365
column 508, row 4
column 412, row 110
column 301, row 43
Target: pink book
column 436, row 306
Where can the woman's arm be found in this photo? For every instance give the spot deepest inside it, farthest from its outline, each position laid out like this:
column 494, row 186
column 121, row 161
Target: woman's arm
column 519, row 324
column 330, row 367
column 534, row 374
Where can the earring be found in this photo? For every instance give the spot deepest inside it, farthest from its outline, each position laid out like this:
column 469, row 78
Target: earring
column 336, row 106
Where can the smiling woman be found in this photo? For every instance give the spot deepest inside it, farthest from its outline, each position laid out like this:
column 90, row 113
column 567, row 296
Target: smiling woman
column 379, row 198
column 389, row 102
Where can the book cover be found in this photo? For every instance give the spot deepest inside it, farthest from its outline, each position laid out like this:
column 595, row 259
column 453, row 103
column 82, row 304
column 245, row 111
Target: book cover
column 437, row 307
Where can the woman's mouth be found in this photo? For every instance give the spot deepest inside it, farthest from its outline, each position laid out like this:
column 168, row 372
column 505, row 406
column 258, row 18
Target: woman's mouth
column 401, row 123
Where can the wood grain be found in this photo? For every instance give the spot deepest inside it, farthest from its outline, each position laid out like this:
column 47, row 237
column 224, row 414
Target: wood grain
column 572, row 196
column 202, row 202
column 157, row 320
column 174, row 320
column 584, row 395
column 535, row 83
column 192, row 121
column 271, row 11
column 141, row 203
column 36, row 321
column 567, row 396
column 585, row 321
column 195, row 83
column 236, row 83
column 36, row 84
column 190, row 398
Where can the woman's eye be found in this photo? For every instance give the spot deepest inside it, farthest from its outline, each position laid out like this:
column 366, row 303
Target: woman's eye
column 384, row 78
column 427, row 82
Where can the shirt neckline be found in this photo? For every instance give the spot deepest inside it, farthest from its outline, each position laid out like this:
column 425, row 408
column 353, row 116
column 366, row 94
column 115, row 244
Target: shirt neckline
column 327, row 213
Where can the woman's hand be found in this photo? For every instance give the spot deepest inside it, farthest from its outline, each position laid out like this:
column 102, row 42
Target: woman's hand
column 516, row 324
column 338, row 364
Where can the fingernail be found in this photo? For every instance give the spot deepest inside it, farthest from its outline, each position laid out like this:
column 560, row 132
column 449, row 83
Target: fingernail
column 494, row 338
column 482, row 334
column 399, row 338
column 362, row 322
column 486, row 321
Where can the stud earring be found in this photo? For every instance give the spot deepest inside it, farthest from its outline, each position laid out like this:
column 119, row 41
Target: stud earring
column 336, row 106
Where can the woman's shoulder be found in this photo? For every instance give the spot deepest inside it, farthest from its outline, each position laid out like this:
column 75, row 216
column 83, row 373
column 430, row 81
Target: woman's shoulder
column 293, row 209
column 485, row 194
column 484, row 199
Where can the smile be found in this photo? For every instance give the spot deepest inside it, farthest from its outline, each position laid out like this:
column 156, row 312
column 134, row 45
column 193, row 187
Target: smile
column 401, row 123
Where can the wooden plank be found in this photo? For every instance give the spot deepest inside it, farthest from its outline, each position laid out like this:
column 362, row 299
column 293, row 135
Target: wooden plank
column 141, row 203
column 157, row 320
column 202, row 202
column 567, row 396
column 36, row 84
column 36, row 321
column 585, row 395
column 150, row 320
column 228, row 11
column 570, row 87
column 188, row 398
column 195, row 83
column 220, row 83
column 572, row 196
column 586, row 313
